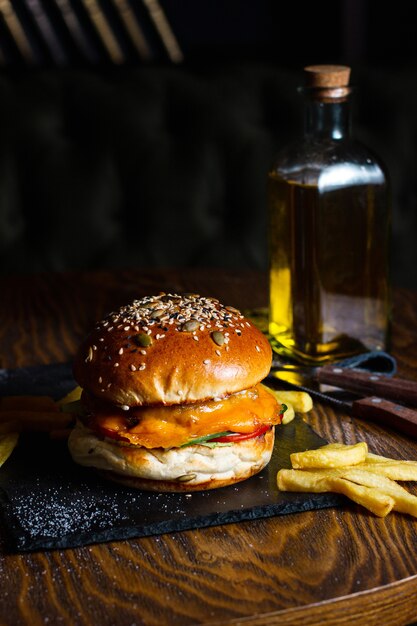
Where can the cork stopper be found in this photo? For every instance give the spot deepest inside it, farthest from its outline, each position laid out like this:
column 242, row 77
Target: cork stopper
column 327, row 82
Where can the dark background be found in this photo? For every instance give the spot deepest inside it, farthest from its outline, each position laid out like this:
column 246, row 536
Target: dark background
column 156, row 162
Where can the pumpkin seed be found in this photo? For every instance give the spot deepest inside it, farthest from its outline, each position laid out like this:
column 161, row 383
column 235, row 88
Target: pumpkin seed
column 217, row 337
column 169, row 298
column 157, row 314
column 185, row 478
column 190, row 326
column 143, row 340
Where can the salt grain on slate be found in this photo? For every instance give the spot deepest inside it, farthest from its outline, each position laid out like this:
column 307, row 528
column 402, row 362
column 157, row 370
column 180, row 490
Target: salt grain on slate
column 57, row 512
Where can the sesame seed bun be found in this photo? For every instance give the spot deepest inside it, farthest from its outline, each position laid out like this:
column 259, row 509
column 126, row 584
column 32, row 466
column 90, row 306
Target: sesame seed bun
column 162, row 377
column 171, row 349
column 193, row 468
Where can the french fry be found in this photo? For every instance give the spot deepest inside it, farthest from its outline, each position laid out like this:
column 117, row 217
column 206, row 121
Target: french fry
column 405, row 502
column 72, row 396
column 299, row 480
column 301, row 401
column 8, row 443
column 33, row 414
column 35, row 421
column 289, row 414
column 324, row 481
column 28, row 403
column 376, row 458
column 376, row 501
column 295, row 401
column 395, row 470
column 332, row 455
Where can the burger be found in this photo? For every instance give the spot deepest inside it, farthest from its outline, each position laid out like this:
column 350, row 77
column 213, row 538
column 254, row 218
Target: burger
column 172, row 399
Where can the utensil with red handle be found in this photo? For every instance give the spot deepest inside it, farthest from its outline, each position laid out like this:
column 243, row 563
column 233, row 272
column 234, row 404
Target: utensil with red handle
column 363, row 382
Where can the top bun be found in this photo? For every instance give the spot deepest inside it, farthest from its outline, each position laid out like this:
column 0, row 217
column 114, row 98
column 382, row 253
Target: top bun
column 171, row 349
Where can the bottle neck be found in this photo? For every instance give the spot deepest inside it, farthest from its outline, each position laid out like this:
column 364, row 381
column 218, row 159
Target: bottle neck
column 327, row 120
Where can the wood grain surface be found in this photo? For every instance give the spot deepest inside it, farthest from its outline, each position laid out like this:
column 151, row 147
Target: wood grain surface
column 334, row 566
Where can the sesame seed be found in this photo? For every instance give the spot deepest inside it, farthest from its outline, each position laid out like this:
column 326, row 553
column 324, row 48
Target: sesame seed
column 94, row 347
column 101, row 339
column 218, row 353
column 143, row 352
column 124, row 407
column 133, row 367
column 116, row 365
column 100, row 380
column 195, row 337
column 206, row 361
column 121, row 351
column 258, row 348
column 164, row 310
column 142, row 366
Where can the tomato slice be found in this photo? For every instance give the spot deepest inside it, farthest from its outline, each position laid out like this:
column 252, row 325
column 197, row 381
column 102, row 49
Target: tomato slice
column 233, row 437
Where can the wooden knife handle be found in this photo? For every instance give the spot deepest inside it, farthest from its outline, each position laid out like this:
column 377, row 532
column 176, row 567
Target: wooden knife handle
column 367, row 383
column 380, row 411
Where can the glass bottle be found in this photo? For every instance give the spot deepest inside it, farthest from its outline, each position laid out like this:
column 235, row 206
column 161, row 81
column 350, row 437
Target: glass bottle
column 329, row 222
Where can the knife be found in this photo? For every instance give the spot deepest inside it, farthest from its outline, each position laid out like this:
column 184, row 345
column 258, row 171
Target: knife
column 358, row 380
column 376, row 409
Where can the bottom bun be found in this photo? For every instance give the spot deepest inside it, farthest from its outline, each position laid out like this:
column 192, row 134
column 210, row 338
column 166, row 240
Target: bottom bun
column 192, row 468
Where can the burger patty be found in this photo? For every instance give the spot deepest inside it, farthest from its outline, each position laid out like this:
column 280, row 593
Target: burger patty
column 177, row 425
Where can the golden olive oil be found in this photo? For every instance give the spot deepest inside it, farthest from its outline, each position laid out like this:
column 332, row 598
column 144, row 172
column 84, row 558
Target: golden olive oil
column 329, row 291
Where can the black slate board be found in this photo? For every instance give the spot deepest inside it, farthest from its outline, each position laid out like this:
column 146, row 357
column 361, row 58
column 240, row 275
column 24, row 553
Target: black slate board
column 46, row 501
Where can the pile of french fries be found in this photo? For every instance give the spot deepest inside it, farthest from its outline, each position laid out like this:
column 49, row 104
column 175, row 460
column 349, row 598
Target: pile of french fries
column 295, row 401
column 34, row 414
column 365, row 478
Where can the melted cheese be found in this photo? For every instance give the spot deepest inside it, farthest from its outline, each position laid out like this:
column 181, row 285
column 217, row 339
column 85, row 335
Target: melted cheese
column 172, row 426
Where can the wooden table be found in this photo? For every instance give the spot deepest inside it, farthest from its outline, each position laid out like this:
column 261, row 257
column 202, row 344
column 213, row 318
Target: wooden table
column 331, row 566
